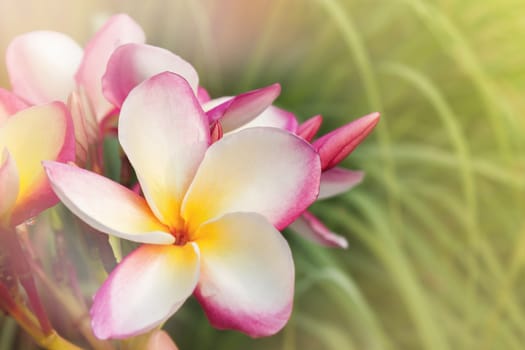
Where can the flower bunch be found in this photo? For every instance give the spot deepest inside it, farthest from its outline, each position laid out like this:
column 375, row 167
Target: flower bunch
column 206, row 186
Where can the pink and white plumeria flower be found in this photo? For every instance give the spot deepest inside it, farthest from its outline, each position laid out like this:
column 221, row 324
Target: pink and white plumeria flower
column 27, row 137
column 132, row 63
column 46, row 66
column 209, row 221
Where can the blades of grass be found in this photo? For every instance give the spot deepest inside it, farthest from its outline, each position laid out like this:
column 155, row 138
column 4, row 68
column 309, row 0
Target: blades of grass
column 200, row 13
column 493, row 269
column 359, row 53
column 264, row 41
column 493, row 323
column 346, row 293
column 457, row 138
column 330, row 336
column 455, row 44
column 395, row 261
column 430, row 156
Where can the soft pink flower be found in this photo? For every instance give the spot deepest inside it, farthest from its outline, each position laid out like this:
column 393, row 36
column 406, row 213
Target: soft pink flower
column 132, row 63
column 45, row 66
column 209, row 219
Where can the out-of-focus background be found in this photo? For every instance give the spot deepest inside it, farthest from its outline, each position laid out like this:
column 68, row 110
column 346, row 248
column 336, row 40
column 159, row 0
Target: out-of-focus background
column 437, row 229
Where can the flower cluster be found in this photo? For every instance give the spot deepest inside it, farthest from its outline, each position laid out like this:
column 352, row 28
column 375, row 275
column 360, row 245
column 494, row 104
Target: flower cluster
column 217, row 179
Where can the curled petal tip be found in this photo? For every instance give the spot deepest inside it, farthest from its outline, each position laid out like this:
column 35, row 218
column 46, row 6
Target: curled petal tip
column 338, row 144
column 309, row 128
column 338, row 180
column 311, row 228
column 243, row 108
column 202, row 95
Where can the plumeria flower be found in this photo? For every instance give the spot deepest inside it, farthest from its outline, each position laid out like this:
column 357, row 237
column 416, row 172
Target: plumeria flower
column 27, row 137
column 45, row 66
column 132, row 63
column 208, row 223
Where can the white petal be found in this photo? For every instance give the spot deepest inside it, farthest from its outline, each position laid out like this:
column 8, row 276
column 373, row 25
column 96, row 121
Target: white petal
column 247, row 274
column 131, row 64
column 106, row 205
column 145, row 289
column 165, row 133
column 42, row 65
column 335, row 181
column 118, row 30
column 263, row 170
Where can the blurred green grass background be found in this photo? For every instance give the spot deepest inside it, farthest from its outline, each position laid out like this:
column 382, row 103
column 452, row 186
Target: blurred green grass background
column 437, row 230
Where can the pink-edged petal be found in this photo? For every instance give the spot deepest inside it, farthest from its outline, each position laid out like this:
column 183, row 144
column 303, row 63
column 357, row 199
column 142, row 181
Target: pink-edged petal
column 247, row 274
column 239, row 110
column 131, row 64
column 119, row 30
column 9, row 183
column 160, row 340
column 263, row 170
column 311, row 228
column 309, row 128
column 164, row 133
column 41, row 66
column 10, row 104
column 106, row 205
column 202, row 95
column 144, row 290
column 338, row 180
column 31, row 136
column 274, row 117
column 336, row 145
